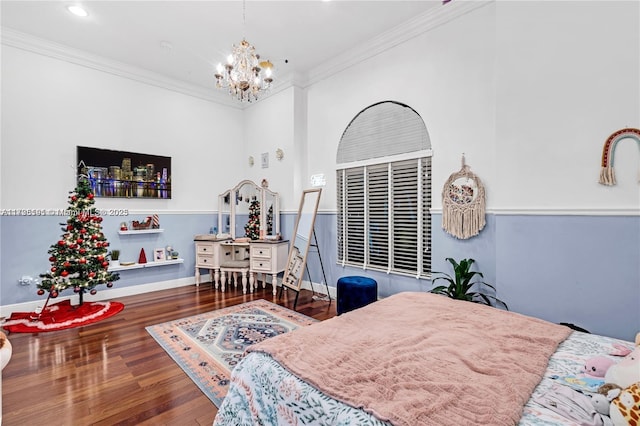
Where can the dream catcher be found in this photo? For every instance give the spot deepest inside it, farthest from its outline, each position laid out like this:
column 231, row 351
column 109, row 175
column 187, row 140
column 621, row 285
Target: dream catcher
column 463, row 204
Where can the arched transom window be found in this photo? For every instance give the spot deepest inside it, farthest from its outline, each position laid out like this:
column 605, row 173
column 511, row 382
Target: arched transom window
column 384, row 191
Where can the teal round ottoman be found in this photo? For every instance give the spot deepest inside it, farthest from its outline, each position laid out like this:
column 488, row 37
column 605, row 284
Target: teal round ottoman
column 355, row 292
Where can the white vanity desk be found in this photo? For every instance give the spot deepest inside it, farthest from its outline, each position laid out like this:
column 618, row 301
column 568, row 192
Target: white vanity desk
column 244, row 210
column 265, row 257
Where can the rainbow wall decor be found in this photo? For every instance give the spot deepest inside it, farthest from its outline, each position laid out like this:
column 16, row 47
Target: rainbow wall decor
column 607, row 175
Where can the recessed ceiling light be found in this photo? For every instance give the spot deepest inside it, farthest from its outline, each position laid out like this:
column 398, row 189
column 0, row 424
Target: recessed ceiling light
column 78, row 11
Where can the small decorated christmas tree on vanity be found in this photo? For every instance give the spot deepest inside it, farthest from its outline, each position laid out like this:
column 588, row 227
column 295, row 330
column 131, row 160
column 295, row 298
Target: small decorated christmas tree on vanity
column 79, row 260
column 252, row 228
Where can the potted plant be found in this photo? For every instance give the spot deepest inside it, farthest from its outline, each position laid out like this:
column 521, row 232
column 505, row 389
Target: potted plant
column 463, row 286
column 115, row 258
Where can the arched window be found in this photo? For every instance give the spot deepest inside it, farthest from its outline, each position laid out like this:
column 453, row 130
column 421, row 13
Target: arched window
column 384, row 191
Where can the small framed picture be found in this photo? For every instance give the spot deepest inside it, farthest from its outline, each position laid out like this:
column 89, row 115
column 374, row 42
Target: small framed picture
column 265, row 160
column 159, row 255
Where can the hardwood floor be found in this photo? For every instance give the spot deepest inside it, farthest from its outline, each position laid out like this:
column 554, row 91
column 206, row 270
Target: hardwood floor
column 114, row 372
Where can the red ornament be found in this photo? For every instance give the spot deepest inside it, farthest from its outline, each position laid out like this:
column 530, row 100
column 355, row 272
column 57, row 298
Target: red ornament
column 66, row 264
column 40, row 292
column 53, row 269
column 109, row 285
column 83, row 231
column 54, row 293
column 93, row 291
column 105, row 264
column 64, row 273
column 79, row 240
column 92, row 274
column 76, row 289
column 82, row 251
column 94, row 237
column 99, row 219
column 90, row 196
column 82, row 260
column 69, row 227
column 52, row 259
column 61, row 243
column 100, row 258
column 74, row 198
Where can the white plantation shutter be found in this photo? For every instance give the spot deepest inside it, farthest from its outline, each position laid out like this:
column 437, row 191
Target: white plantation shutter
column 384, row 191
column 354, row 216
column 378, row 215
column 404, row 190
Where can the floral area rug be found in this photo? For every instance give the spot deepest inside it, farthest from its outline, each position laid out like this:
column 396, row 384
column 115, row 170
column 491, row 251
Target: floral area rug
column 208, row 346
column 61, row 316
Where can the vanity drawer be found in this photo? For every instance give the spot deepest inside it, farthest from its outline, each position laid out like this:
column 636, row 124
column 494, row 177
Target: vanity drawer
column 261, row 265
column 262, row 252
column 204, row 260
column 204, row 248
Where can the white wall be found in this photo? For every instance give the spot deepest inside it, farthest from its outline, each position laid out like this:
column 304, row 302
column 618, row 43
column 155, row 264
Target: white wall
column 529, row 91
column 445, row 74
column 268, row 126
column 568, row 75
column 50, row 106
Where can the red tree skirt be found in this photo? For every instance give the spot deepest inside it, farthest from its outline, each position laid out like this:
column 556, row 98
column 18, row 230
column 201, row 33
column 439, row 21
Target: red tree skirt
column 61, row 316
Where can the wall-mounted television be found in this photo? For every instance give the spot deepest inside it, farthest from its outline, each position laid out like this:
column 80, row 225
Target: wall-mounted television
column 124, row 174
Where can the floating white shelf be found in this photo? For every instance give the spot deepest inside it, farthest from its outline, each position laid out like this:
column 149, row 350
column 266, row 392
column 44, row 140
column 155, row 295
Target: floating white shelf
column 146, row 265
column 141, row 231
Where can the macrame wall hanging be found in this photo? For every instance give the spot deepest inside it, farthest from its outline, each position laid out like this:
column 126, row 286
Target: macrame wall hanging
column 463, row 204
column 607, row 175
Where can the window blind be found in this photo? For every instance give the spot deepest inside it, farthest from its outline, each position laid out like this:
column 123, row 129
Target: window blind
column 384, row 220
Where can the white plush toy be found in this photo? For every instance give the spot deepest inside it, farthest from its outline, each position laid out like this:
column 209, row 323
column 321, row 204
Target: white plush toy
column 627, row 371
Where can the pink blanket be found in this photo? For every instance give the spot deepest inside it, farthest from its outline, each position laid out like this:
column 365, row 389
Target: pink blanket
column 424, row 359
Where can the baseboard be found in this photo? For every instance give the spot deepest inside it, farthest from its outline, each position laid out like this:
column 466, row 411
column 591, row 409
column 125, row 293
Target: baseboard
column 115, row 292
column 106, row 294
column 319, row 288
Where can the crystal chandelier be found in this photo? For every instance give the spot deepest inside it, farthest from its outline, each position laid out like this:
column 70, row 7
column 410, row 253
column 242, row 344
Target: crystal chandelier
column 244, row 75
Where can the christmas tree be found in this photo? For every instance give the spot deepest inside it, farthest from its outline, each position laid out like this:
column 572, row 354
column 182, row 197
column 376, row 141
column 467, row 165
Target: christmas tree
column 252, row 228
column 79, row 260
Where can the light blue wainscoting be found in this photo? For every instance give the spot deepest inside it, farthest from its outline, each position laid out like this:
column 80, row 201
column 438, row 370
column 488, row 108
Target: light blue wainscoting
column 578, row 269
column 562, row 268
column 26, row 240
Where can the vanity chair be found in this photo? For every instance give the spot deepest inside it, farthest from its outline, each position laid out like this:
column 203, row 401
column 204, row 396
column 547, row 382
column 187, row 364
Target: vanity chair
column 235, row 266
column 234, row 260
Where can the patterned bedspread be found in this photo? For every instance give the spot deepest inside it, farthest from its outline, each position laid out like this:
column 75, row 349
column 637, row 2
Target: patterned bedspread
column 263, row 393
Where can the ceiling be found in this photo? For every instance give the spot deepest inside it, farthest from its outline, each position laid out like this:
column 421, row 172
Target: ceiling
column 185, row 40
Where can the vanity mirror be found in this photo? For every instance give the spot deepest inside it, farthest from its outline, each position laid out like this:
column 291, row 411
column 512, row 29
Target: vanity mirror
column 224, row 213
column 301, row 241
column 249, row 210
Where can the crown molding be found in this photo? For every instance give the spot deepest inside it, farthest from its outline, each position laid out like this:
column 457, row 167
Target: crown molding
column 406, row 31
column 421, row 24
column 30, row 43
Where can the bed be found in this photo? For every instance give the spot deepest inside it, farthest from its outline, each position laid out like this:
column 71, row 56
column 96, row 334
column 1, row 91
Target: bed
column 410, row 359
